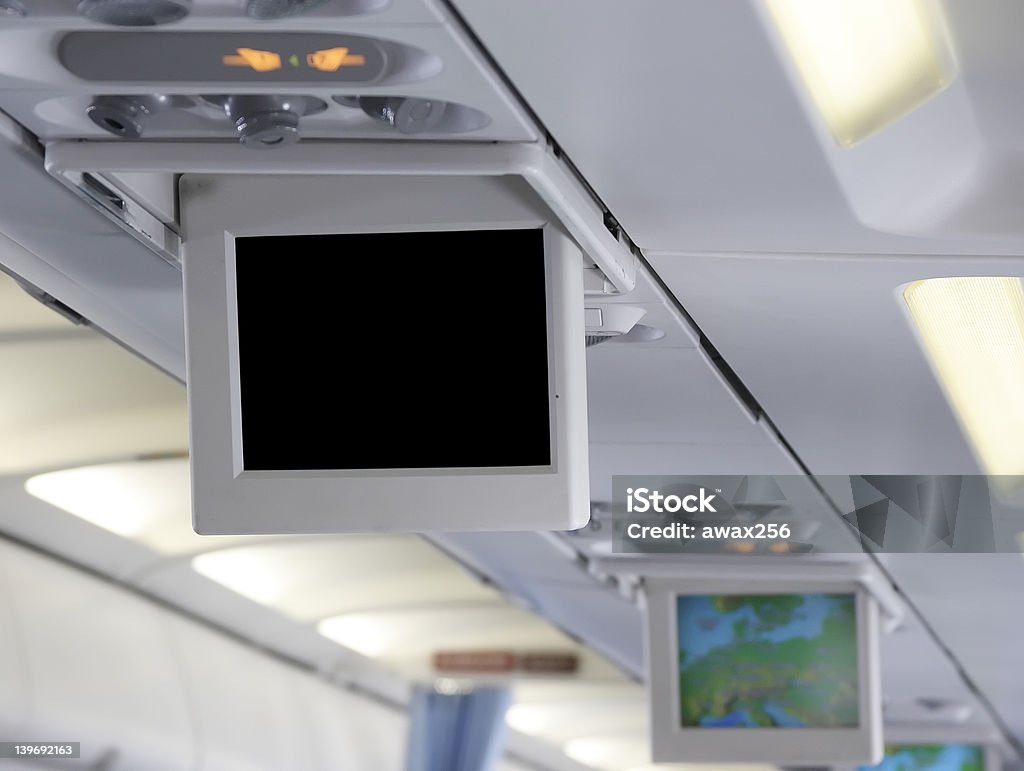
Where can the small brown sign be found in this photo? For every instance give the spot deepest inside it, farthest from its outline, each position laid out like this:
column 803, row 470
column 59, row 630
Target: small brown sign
column 506, row 662
column 549, row 663
column 475, row 661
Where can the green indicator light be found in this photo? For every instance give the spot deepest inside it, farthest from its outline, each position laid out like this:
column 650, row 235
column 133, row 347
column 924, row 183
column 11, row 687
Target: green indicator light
column 293, row 60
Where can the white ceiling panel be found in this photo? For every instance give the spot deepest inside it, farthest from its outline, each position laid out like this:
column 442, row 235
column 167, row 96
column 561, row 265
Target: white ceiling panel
column 312, row 578
column 824, row 345
column 966, row 599
column 684, row 119
column 637, row 394
column 608, row 460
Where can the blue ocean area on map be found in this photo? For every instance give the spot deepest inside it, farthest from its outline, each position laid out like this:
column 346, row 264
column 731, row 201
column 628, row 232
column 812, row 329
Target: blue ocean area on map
column 931, row 757
column 754, row 661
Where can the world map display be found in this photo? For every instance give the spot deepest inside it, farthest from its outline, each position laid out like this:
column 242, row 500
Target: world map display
column 758, row 661
column 931, row 757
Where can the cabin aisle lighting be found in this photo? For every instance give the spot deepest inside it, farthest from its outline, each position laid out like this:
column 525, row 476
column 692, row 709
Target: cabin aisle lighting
column 864, row 63
column 132, row 499
column 973, row 331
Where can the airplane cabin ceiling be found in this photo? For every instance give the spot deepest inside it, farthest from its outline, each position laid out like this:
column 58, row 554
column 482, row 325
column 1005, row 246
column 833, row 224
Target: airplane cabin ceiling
column 684, row 119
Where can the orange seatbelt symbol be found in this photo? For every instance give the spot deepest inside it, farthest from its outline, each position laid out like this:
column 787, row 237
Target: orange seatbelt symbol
column 261, row 61
column 333, row 59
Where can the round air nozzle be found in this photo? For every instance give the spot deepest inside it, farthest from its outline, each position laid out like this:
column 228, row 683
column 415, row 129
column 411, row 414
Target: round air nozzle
column 135, row 13
column 266, row 121
column 276, row 9
column 268, row 129
column 407, row 114
column 125, row 116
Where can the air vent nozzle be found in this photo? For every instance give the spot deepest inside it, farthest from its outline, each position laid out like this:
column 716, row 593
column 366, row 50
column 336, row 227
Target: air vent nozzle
column 267, row 120
column 135, row 13
column 125, row 116
column 266, row 10
column 408, row 115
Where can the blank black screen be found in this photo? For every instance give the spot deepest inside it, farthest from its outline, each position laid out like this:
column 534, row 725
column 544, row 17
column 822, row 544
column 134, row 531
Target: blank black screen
column 393, row 350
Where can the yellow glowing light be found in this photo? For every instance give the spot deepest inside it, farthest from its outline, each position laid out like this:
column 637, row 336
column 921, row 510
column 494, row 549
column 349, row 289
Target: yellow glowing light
column 613, row 750
column 865, row 63
column 363, row 633
column 132, row 499
column 145, row 500
column 973, row 331
column 242, row 571
column 260, row 61
column 333, row 59
column 527, row 719
column 587, row 751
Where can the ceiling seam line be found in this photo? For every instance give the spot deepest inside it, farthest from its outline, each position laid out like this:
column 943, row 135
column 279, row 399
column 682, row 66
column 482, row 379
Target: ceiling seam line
column 1008, row 735
column 810, row 253
column 788, row 448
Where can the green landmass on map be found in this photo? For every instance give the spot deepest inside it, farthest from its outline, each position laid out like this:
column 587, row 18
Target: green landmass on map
column 921, row 757
column 812, row 680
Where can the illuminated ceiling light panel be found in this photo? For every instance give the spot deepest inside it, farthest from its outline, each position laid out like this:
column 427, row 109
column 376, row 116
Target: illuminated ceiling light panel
column 527, row 719
column 558, row 712
column 310, row 579
column 363, row 633
column 130, row 499
column 144, row 500
column 865, row 63
column 558, row 723
column 244, row 572
column 580, row 693
column 973, row 331
column 417, row 632
column 609, row 751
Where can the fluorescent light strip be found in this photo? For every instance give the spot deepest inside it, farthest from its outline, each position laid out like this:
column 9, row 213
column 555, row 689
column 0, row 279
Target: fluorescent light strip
column 973, row 331
column 244, row 571
column 865, row 63
column 129, row 499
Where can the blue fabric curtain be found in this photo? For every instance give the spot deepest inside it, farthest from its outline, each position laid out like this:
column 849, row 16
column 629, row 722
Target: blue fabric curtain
column 459, row 732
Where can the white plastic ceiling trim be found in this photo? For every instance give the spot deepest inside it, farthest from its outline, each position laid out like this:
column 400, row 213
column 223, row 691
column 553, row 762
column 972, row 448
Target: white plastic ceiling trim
column 56, row 243
column 546, row 174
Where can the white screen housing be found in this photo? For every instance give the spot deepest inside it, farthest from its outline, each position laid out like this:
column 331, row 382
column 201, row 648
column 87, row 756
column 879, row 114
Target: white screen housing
column 672, row 741
column 382, row 354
